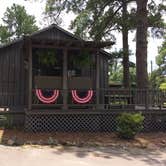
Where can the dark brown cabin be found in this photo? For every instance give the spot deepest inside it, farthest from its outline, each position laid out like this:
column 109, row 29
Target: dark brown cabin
column 59, row 82
column 51, row 59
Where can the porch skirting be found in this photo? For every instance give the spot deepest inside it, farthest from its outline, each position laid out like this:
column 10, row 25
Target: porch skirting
column 88, row 121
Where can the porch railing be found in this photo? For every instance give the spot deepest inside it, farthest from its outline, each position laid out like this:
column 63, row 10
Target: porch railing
column 109, row 99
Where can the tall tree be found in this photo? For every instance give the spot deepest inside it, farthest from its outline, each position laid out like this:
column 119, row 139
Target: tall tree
column 141, row 44
column 16, row 23
column 116, row 69
column 99, row 18
column 125, row 30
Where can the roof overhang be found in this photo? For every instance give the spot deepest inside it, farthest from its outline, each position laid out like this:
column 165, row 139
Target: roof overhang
column 70, row 44
column 74, row 43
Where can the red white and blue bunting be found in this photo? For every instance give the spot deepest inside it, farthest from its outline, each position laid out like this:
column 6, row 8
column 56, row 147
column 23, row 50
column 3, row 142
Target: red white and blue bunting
column 47, row 100
column 55, row 95
column 82, row 100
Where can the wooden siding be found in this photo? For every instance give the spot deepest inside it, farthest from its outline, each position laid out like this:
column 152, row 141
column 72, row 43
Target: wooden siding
column 11, row 76
column 55, row 34
column 103, row 72
column 14, row 68
column 52, row 34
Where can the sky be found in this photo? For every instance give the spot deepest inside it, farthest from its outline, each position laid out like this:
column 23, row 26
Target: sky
column 36, row 8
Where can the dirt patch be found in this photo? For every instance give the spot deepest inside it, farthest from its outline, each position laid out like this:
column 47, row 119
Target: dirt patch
column 143, row 140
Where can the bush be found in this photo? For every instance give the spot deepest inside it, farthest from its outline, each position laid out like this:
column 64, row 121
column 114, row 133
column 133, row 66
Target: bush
column 6, row 121
column 128, row 125
column 163, row 86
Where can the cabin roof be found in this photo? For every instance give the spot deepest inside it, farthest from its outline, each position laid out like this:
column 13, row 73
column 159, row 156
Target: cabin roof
column 74, row 39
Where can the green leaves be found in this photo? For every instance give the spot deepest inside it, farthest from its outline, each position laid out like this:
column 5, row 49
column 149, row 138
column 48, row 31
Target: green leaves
column 47, row 57
column 163, row 86
column 16, row 23
column 83, row 59
column 4, row 35
column 128, row 125
column 116, row 68
column 155, row 18
column 158, row 76
column 98, row 18
column 79, row 24
column 161, row 58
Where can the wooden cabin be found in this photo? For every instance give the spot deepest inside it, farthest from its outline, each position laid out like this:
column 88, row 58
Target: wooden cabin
column 52, row 70
column 55, row 81
column 52, row 59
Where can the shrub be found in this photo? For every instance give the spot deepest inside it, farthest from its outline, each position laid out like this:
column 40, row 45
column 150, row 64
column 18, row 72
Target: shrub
column 128, row 125
column 6, row 121
column 163, row 86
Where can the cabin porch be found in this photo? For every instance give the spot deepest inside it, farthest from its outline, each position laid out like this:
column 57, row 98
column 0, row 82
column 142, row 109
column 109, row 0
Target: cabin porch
column 67, row 109
column 65, row 74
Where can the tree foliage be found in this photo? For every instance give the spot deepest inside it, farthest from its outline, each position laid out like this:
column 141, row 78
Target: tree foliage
column 16, row 23
column 128, row 125
column 97, row 19
column 116, row 76
column 163, row 86
column 161, row 58
column 116, row 69
column 158, row 76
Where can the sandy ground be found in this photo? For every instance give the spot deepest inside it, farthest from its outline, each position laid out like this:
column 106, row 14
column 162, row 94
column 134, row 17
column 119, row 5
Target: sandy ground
column 74, row 156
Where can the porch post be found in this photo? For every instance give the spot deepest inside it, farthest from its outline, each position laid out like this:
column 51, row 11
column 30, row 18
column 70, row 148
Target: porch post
column 65, row 80
column 30, row 75
column 97, row 79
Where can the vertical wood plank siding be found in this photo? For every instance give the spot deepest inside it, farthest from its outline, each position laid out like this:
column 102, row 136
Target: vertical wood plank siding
column 57, row 34
column 52, row 34
column 14, row 74
column 106, row 69
column 10, row 75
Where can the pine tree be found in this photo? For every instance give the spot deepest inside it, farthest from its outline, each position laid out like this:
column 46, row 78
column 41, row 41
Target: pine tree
column 16, row 23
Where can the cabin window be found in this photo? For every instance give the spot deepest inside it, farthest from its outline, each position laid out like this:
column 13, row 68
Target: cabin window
column 47, row 62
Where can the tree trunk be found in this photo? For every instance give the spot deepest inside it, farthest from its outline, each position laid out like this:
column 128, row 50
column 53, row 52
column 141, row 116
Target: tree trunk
column 125, row 47
column 141, row 45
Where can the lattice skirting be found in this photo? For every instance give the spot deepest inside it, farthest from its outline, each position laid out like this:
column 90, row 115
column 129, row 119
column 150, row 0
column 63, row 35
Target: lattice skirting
column 104, row 122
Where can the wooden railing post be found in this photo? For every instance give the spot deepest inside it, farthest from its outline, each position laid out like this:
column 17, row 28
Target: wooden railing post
column 97, row 79
column 65, row 80
column 146, row 99
column 30, row 74
column 161, row 99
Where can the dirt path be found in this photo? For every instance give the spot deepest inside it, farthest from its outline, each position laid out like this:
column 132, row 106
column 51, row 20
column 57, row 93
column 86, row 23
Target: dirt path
column 72, row 156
